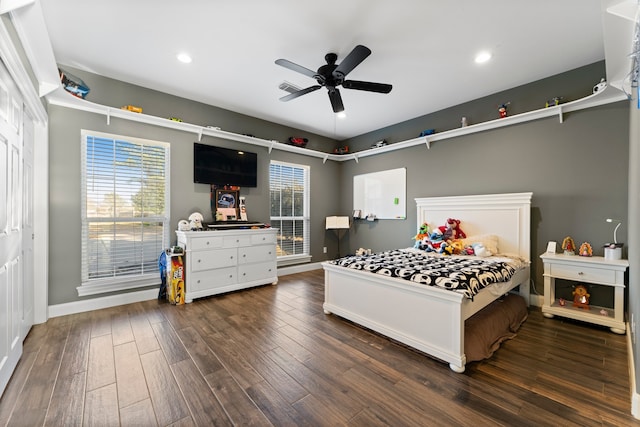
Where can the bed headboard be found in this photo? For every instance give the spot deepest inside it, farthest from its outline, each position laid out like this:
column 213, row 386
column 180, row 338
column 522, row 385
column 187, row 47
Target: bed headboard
column 506, row 215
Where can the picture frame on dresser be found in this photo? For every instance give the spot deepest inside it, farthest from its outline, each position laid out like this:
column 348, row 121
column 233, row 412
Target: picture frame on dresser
column 227, row 202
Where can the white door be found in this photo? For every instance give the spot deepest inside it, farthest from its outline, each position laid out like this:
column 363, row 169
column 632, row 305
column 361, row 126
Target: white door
column 11, row 261
column 27, row 227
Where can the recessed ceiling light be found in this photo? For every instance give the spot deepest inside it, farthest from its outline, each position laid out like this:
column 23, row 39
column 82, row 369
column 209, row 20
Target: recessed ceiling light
column 185, row 58
column 483, row 57
column 341, row 115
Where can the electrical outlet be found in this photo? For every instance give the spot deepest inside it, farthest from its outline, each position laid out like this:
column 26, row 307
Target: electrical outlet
column 324, row 250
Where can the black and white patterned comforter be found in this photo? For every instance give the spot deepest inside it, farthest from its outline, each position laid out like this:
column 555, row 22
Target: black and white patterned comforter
column 463, row 274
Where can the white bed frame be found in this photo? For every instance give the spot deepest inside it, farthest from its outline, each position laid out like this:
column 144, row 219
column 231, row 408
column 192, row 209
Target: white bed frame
column 427, row 318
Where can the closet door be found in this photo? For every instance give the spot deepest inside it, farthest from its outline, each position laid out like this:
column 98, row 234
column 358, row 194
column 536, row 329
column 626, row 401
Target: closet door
column 28, row 285
column 11, row 259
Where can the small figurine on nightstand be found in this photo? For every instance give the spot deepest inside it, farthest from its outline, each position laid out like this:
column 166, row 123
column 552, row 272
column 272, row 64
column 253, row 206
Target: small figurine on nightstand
column 585, row 249
column 581, row 297
column 568, row 246
column 562, row 302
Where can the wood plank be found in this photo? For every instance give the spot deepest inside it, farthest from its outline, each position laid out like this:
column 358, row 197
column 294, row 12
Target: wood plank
column 101, row 369
column 138, row 414
column 238, row 406
column 132, row 386
column 101, row 406
column 67, row 402
column 170, row 343
column 205, row 407
column 166, row 397
column 121, row 328
column 143, row 333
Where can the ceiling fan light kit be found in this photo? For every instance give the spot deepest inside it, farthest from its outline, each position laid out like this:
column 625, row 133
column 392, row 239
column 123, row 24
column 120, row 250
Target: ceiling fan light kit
column 332, row 75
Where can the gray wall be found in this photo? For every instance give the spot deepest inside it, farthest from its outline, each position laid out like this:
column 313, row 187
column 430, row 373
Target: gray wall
column 577, row 170
column 186, row 197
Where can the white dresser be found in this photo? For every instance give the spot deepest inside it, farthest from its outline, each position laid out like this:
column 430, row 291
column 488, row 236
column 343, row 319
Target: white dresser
column 227, row 260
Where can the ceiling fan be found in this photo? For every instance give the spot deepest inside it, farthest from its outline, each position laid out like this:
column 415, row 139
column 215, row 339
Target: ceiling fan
column 333, row 75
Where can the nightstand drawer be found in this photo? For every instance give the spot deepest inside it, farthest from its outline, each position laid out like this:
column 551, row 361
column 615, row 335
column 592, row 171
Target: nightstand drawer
column 583, row 273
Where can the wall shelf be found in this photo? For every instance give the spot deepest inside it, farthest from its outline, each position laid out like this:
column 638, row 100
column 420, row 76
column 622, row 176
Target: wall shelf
column 609, row 95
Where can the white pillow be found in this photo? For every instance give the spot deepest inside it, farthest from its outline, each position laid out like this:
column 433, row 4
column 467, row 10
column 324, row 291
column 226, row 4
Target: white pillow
column 489, row 241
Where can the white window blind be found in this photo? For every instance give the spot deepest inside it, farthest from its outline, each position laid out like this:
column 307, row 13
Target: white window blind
column 125, row 211
column 289, row 191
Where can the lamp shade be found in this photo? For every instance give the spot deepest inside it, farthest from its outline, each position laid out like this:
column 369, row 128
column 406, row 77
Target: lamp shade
column 337, row 222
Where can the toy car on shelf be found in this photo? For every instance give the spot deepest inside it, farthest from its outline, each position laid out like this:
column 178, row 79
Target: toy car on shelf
column 298, row 142
column 132, row 108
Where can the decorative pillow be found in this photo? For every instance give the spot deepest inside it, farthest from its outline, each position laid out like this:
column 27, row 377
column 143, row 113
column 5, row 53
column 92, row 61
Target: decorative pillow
column 489, row 241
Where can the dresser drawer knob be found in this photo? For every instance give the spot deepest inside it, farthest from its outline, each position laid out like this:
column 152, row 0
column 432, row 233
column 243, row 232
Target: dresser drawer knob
column 198, row 280
column 580, row 273
column 199, row 260
column 208, row 242
column 244, row 255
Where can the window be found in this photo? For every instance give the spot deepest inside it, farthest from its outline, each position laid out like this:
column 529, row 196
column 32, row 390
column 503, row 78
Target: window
column 289, row 191
column 125, row 211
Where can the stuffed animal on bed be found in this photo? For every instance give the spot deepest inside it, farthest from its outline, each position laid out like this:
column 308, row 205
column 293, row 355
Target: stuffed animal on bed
column 451, row 230
column 423, row 233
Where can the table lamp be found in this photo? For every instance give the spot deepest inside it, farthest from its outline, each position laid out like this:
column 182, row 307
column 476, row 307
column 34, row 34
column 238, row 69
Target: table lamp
column 337, row 223
column 613, row 250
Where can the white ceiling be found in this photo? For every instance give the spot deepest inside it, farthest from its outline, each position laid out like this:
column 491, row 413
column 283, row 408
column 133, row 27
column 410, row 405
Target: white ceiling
column 425, row 49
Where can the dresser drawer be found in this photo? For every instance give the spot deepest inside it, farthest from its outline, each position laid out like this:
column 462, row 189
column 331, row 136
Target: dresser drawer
column 211, row 279
column 207, row 260
column 256, row 254
column 215, row 242
column 251, row 272
column 259, row 239
column 583, row 273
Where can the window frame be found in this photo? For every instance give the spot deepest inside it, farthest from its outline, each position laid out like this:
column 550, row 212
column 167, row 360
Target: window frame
column 305, row 256
column 115, row 283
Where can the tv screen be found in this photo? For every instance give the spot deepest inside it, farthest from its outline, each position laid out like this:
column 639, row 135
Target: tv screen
column 224, row 166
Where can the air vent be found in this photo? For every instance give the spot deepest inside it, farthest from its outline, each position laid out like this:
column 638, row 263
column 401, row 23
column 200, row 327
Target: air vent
column 288, row 87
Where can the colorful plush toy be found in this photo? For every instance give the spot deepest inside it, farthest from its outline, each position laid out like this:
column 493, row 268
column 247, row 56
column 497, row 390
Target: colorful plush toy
column 422, row 237
column 451, row 230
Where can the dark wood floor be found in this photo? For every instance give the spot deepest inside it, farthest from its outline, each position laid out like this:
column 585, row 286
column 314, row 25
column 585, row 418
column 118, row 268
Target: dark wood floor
column 269, row 356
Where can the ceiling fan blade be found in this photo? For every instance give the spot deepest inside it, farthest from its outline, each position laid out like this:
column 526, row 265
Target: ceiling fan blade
column 368, row 86
column 301, row 92
column 336, row 100
column 357, row 55
column 295, row 67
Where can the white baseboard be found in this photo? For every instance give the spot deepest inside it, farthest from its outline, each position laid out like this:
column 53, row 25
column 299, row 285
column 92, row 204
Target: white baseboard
column 284, row 271
column 102, row 302
column 536, row 300
column 635, row 397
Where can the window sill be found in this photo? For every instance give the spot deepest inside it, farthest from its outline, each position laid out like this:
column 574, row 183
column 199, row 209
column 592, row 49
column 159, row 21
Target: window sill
column 104, row 286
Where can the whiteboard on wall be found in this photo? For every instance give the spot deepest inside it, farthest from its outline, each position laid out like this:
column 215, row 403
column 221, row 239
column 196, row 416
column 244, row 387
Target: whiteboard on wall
column 383, row 194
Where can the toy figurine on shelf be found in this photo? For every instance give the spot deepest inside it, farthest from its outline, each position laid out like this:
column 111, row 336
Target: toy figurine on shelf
column 581, row 297
column 568, row 246
column 553, row 101
column 502, row 110
column 585, row 249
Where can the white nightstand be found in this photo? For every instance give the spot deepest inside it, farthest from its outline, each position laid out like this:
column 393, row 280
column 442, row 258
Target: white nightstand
column 594, row 270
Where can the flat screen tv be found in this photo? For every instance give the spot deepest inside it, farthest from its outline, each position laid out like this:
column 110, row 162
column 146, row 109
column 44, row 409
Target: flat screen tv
column 224, row 166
